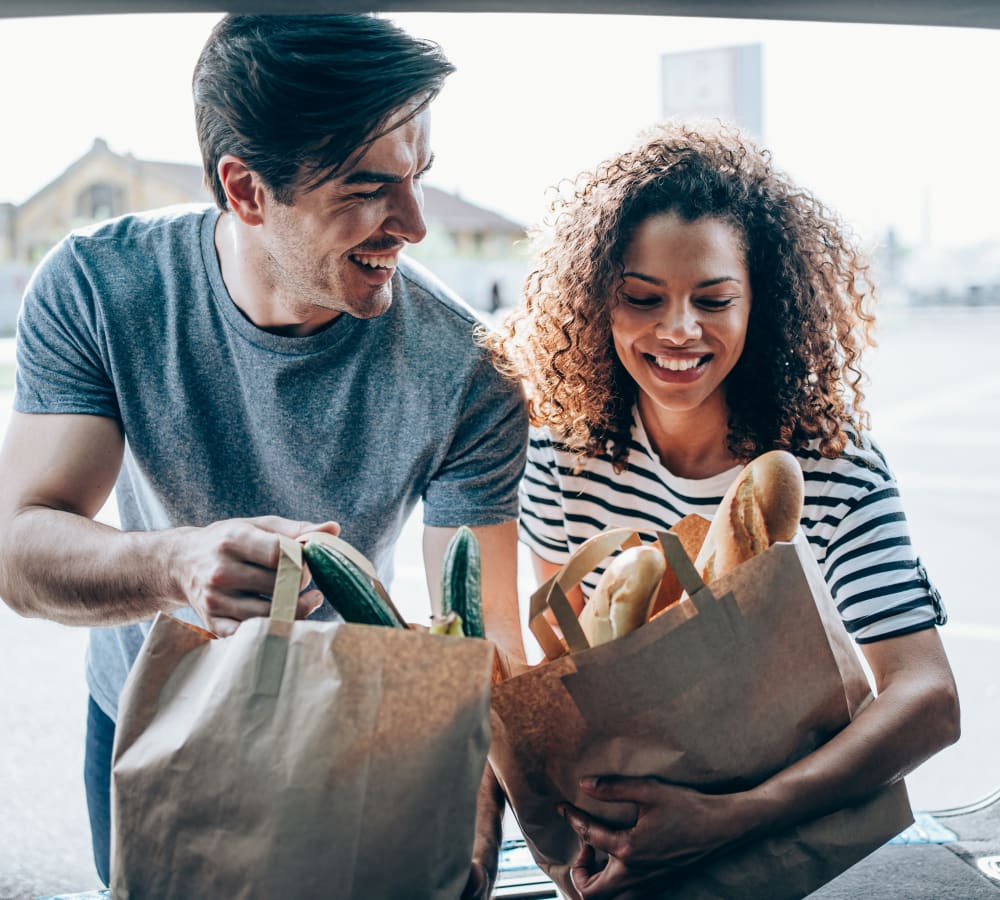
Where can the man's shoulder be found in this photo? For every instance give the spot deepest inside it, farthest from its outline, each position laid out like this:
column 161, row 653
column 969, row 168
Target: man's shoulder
column 418, row 281
column 141, row 231
column 116, row 263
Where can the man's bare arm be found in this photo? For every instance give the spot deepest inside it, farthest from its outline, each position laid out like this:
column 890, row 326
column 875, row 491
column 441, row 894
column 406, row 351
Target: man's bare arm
column 56, row 472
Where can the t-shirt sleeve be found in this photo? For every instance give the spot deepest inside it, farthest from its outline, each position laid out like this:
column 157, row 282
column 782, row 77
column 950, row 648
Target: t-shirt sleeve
column 542, row 525
column 878, row 583
column 477, row 483
column 61, row 365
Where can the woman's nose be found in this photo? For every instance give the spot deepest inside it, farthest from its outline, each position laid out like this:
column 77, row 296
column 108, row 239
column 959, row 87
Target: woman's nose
column 678, row 323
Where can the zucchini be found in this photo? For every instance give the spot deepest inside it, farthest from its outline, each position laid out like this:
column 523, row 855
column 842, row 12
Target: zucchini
column 347, row 588
column 450, row 624
column 461, row 582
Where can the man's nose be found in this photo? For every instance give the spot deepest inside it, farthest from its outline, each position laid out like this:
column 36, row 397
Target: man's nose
column 406, row 218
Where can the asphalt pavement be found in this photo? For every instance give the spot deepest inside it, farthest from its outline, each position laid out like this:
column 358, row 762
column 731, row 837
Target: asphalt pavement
column 935, row 397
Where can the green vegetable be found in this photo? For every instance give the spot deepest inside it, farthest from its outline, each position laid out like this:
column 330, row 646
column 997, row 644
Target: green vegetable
column 450, row 624
column 348, row 588
column 461, row 582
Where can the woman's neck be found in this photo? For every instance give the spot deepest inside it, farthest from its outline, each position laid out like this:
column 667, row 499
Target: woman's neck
column 692, row 443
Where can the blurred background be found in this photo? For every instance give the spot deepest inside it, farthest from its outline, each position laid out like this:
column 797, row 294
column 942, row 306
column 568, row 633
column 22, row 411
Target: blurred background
column 892, row 126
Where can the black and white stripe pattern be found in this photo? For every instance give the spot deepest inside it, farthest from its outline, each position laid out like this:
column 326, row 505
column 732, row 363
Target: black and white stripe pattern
column 852, row 517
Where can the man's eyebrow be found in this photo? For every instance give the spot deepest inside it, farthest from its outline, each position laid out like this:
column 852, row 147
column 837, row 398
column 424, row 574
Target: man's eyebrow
column 372, row 176
column 711, row 282
column 369, row 176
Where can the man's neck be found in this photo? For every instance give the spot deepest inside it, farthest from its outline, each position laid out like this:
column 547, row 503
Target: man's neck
column 244, row 274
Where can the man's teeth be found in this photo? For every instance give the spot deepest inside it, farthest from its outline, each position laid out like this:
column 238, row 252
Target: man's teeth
column 377, row 262
column 676, row 365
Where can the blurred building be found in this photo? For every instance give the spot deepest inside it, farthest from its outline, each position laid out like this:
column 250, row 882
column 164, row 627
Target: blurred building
column 476, row 251
column 966, row 276
column 720, row 82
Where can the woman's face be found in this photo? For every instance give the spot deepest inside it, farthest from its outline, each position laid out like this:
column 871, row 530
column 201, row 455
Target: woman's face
column 681, row 318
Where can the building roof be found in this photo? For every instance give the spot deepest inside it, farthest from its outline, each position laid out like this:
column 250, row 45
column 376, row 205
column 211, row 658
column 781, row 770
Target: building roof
column 457, row 214
column 183, row 176
column 447, row 210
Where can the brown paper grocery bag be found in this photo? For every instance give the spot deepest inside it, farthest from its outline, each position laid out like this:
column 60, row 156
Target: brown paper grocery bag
column 298, row 759
column 719, row 692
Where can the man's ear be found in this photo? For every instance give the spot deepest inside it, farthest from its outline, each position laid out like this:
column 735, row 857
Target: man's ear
column 243, row 188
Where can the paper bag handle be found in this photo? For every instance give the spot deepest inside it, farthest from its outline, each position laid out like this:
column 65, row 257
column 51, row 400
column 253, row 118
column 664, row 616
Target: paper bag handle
column 286, row 581
column 680, row 563
column 270, row 666
column 552, row 594
column 709, row 607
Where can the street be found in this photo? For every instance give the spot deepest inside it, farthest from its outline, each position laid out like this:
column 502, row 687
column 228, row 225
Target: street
column 935, row 399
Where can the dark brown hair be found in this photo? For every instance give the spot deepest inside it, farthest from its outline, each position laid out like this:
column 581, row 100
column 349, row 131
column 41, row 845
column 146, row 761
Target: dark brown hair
column 297, row 97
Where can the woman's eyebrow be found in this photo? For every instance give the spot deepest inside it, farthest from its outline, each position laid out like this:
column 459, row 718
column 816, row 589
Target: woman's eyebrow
column 710, row 282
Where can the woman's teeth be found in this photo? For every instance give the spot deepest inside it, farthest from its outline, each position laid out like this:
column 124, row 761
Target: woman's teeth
column 677, row 365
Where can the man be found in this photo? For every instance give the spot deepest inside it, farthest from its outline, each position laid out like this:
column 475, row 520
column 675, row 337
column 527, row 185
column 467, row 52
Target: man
column 267, row 367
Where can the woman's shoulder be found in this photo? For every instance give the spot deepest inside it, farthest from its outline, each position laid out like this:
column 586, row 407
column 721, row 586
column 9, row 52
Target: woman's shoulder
column 543, row 439
column 861, row 464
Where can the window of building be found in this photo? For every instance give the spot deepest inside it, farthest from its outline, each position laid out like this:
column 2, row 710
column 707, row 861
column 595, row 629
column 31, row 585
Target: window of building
column 100, row 200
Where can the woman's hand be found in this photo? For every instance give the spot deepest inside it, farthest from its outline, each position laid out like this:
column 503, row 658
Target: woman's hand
column 674, row 826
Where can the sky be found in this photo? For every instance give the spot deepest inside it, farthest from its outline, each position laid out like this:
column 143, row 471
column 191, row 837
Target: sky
column 893, row 126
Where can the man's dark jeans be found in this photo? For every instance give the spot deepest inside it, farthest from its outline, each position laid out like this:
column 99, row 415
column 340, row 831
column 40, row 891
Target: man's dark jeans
column 97, row 778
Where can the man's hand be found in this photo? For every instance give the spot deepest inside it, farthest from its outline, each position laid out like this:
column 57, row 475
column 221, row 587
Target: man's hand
column 674, row 826
column 225, row 571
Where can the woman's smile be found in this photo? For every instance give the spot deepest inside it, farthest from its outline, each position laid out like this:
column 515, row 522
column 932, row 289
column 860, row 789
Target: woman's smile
column 680, row 321
column 679, row 370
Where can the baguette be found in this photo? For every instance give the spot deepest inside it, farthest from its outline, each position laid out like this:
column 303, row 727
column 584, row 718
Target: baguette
column 762, row 506
column 623, row 596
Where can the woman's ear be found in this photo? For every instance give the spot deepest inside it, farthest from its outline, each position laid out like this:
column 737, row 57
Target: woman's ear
column 243, row 188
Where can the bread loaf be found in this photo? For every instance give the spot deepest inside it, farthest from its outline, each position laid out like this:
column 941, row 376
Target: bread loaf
column 762, row 506
column 623, row 596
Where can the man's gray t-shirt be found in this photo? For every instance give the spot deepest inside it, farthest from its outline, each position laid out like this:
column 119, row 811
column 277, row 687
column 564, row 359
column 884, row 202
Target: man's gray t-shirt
column 131, row 319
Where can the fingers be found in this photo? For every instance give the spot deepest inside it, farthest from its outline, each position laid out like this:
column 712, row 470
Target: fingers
column 224, row 614
column 598, row 835
column 308, row 603
column 593, row 880
column 477, row 884
column 293, row 528
column 584, row 866
column 223, row 627
column 622, row 789
column 256, row 536
column 327, row 527
column 227, row 569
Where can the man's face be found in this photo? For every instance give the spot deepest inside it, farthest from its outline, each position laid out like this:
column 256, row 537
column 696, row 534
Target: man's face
column 336, row 248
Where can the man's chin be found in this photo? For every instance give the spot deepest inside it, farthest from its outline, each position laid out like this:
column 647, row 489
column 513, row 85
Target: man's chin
column 372, row 306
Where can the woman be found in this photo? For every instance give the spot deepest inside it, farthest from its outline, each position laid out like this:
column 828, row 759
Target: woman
column 693, row 309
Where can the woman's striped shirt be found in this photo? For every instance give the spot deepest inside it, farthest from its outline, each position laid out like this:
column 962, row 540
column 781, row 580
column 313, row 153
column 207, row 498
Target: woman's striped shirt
column 852, row 517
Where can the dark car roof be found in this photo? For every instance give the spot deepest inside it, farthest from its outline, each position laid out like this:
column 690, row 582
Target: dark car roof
column 967, row 13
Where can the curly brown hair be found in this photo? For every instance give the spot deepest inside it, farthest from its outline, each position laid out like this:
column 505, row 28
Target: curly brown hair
column 799, row 377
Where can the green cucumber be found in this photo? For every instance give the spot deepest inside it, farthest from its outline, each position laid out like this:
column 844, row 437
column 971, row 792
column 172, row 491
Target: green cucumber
column 347, row 587
column 461, row 582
